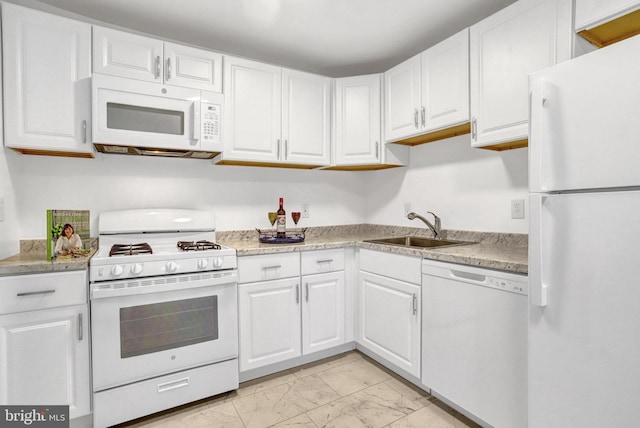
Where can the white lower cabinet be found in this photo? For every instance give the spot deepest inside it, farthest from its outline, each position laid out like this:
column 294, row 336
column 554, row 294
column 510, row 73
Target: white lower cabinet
column 323, row 307
column 389, row 312
column 290, row 305
column 44, row 348
column 270, row 326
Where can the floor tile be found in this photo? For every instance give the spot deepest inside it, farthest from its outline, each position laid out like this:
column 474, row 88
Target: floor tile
column 373, row 407
column 434, row 416
column 354, row 376
column 265, row 382
column 326, row 364
column 278, row 404
column 301, row 421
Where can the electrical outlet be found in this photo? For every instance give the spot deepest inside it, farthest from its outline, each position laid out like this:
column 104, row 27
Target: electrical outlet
column 407, row 208
column 1, row 209
column 305, row 211
column 517, row 208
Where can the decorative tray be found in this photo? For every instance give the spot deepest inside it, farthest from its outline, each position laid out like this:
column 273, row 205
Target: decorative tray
column 292, row 236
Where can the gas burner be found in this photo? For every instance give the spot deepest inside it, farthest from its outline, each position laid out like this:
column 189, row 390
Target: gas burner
column 198, row 245
column 130, row 249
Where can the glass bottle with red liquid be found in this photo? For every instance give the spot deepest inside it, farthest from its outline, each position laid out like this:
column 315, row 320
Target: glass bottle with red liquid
column 281, row 228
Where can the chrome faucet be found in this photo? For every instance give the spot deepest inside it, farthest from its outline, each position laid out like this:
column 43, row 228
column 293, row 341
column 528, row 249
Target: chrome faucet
column 435, row 228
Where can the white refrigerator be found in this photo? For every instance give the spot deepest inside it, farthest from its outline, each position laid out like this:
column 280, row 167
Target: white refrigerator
column 584, row 254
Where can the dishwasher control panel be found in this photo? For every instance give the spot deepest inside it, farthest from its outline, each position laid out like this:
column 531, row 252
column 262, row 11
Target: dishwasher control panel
column 507, row 285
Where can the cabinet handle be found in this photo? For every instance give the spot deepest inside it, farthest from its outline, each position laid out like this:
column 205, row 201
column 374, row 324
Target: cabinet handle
column 168, row 72
column 157, row 74
column 297, row 293
column 474, row 129
column 80, row 327
column 377, row 150
column 278, row 143
column 424, row 120
column 415, row 118
column 84, row 132
column 307, row 290
column 33, row 293
column 286, row 149
column 415, row 304
column 272, row 267
column 324, row 261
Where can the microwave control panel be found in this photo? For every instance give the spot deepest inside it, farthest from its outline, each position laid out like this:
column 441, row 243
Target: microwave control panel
column 210, row 122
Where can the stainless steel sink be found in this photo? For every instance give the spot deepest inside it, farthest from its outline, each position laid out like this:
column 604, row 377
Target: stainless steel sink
column 417, row 242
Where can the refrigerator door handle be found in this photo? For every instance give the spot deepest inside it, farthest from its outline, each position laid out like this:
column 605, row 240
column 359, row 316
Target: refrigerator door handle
column 539, row 134
column 537, row 288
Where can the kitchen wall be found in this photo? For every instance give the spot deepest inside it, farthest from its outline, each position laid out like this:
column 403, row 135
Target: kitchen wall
column 469, row 188
column 240, row 196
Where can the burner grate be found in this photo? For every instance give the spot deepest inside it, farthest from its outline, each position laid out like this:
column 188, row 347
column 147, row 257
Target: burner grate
column 198, row 246
column 130, row 249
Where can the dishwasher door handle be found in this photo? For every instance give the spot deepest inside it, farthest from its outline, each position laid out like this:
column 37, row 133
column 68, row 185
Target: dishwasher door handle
column 469, row 276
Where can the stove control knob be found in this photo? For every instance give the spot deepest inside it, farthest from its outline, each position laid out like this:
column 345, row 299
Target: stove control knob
column 136, row 268
column 171, row 266
column 117, row 270
column 218, row 262
column 202, row 263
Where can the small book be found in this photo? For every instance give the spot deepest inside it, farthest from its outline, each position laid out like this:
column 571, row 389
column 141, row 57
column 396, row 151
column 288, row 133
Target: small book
column 68, row 234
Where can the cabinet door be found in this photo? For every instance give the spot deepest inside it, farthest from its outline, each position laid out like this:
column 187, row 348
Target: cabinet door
column 127, row 55
column 445, row 83
column 402, row 103
column 252, row 105
column 358, row 120
column 44, row 358
column 590, row 13
column 389, row 320
column 306, row 118
column 527, row 36
column 47, row 85
column 192, row 68
column 269, row 318
column 323, row 311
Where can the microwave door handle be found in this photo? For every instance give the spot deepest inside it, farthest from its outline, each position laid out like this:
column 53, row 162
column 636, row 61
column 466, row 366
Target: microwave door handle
column 195, row 110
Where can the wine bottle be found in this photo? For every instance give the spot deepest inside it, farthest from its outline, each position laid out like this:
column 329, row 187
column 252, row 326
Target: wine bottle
column 281, row 228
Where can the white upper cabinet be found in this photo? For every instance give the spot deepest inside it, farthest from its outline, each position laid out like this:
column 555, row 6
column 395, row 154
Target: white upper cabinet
column 429, row 92
column 306, row 118
column 603, row 22
column 122, row 54
column 47, row 83
column 275, row 116
column 526, row 36
column 358, row 135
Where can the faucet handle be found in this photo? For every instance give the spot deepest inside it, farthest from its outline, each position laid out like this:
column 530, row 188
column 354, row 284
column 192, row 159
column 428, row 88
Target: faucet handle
column 438, row 223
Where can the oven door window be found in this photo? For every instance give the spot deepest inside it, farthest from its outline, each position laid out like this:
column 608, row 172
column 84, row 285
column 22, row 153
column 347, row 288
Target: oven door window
column 157, row 327
column 145, row 119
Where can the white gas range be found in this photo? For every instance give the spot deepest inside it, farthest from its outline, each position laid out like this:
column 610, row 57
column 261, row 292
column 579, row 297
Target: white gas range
column 163, row 313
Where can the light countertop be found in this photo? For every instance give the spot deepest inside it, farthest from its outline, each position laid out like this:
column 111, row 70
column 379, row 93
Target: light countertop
column 500, row 251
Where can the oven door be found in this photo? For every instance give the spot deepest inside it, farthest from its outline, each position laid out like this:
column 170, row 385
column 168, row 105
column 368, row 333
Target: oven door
column 153, row 326
column 142, row 114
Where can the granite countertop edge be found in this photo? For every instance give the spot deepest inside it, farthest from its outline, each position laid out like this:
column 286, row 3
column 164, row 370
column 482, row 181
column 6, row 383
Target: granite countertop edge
column 506, row 252
column 498, row 251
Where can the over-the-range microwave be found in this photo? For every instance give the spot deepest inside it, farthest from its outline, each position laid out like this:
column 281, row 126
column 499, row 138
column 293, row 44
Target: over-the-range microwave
column 143, row 118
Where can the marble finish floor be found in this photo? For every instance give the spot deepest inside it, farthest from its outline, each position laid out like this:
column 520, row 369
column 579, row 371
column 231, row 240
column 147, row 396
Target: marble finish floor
column 346, row 391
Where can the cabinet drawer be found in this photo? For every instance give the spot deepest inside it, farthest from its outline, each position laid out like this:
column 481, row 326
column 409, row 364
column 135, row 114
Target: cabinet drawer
column 22, row 293
column 402, row 268
column 268, row 266
column 322, row 261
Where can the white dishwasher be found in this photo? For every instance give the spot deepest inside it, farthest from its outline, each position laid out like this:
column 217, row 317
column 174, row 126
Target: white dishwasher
column 474, row 341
